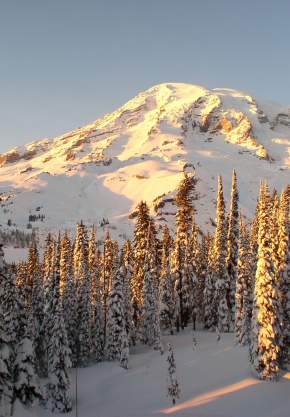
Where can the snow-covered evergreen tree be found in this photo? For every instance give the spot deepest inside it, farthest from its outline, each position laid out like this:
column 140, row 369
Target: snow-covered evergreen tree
column 49, row 293
column 58, row 387
column 48, row 267
column 116, row 320
column 266, row 330
column 37, row 308
column 80, row 252
column 127, row 274
column 244, row 287
column 6, row 374
column 21, row 312
column 139, row 252
column 97, row 331
column 166, row 293
column 219, row 264
column 34, row 300
column 173, row 389
column 167, row 241
column 84, row 337
column 7, row 339
column 51, row 298
column 180, row 262
column 209, row 291
column 83, row 283
column 177, row 270
column 188, row 286
column 65, row 263
column 68, row 294
column 232, row 248
column 283, row 272
column 184, row 201
column 107, row 275
column 194, row 261
column 33, row 269
column 21, row 283
column 254, row 236
column 27, row 387
column 150, row 316
column 92, row 250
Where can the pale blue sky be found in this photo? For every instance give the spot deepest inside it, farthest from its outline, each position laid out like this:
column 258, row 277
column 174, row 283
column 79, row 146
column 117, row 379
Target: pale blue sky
column 66, row 62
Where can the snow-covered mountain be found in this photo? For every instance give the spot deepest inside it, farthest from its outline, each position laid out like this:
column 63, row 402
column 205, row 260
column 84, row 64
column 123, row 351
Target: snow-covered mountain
column 139, row 151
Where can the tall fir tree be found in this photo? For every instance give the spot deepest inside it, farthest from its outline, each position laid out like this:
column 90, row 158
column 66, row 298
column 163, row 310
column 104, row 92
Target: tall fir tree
column 219, row 264
column 209, row 299
column 97, row 319
column 80, row 252
column 139, row 253
column 48, row 259
column 58, row 387
column 194, row 255
column 107, row 275
column 244, row 287
column 65, row 263
column 266, row 330
column 38, row 302
column 21, row 283
column 50, row 306
column 68, row 294
column 254, row 236
column 232, row 248
column 95, row 267
column 127, row 275
column 188, row 288
column 180, row 260
column 21, row 311
column 166, row 293
column 83, row 284
column 33, row 269
column 92, row 250
column 7, row 340
column 116, row 325
column 27, row 386
column 283, row 272
column 37, row 307
column 184, row 201
column 151, row 319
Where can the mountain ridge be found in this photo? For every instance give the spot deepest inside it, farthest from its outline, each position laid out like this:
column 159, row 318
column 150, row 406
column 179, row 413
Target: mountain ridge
column 101, row 170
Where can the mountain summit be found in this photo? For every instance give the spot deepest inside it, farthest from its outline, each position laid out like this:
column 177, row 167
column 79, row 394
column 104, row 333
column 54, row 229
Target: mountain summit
column 138, row 152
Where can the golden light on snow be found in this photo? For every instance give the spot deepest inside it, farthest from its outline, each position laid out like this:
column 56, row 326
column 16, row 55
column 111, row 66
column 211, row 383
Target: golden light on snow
column 212, row 395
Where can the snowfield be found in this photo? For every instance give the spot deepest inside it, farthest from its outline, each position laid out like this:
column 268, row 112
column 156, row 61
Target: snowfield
column 215, row 381
column 138, row 152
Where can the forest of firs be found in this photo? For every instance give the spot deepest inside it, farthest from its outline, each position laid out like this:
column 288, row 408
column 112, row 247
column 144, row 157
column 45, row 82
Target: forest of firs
column 85, row 300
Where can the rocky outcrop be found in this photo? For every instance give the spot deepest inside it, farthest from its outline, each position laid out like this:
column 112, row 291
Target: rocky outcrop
column 283, row 119
column 9, row 158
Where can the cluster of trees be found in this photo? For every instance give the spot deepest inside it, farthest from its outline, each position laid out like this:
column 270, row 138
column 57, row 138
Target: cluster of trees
column 83, row 303
column 16, row 238
column 35, row 217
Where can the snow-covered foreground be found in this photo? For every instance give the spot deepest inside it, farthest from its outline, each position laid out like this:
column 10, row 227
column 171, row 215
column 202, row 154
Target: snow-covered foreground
column 215, row 380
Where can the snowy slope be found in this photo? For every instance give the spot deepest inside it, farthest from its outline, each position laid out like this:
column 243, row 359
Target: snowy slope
column 138, row 152
column 215, row 381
